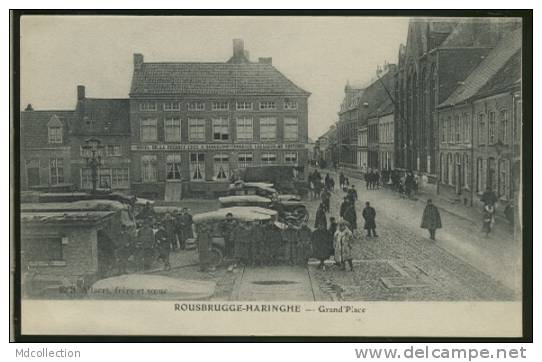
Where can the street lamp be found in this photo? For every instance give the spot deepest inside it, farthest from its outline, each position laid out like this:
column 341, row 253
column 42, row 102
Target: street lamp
column 93, row 155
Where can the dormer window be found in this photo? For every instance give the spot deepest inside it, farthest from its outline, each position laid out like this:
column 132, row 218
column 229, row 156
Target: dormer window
column 54, row 130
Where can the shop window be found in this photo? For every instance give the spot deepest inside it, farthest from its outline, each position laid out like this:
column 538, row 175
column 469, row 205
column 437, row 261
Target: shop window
column 245, row 159
column 197, row 166
column 173, row 167
column 56, row 170
column 290, row 158
column 268, row 158
column 221, row 167
column 148, row 168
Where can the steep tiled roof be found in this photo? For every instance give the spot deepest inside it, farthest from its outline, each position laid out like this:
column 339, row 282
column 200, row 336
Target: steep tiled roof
column 95, row 116
column 492, row 63
column 480, row 32
column 211, row 79
column 506, row 77
column 34, row 132
column 376, row 96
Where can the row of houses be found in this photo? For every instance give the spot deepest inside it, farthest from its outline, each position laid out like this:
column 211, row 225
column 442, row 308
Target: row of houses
column 450, row 109
column 185, row 128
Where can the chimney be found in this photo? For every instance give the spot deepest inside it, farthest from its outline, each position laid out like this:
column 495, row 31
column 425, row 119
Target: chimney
column 29, row 108
column 80, row 92
column 267, row 60
column 238, row 48
column 138, row 60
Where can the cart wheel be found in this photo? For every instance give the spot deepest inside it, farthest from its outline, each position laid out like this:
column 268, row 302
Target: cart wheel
column 215, row 257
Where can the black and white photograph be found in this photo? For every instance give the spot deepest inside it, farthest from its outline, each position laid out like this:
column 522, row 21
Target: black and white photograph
column 271, row 175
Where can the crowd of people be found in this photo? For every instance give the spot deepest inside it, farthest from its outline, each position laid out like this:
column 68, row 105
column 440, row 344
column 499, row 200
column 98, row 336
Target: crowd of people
column 153, row 240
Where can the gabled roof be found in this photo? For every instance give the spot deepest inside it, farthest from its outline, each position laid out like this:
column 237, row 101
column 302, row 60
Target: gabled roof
column 488, row 68
column 506, row 77
column 34, row 127
column 98, row 116
column 207, row 79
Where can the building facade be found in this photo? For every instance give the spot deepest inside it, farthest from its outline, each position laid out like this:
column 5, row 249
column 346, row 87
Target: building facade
column 479, row 122
column 45, row 150
column 194, row 125
column 107, row 120
column 438, row 55
column 386, row 138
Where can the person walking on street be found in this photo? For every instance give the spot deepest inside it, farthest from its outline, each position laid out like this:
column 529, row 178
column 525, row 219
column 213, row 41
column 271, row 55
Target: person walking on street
column 343, row 207
column 486, row 222
column 431, row 219
column 320, row 219
column 332, row 226
column 185, row 226
column 341, row 180
column 489, row 211
column 369, row 214
column 322, row 243
column 170, row 227
column 226, row 230
column 145, row 241
column 343, row 242
column 350, row 216
column 326, row 198
column 352, row 194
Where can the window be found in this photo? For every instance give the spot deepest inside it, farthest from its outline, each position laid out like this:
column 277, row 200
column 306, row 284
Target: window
column 120, row 178
column 244, row 129
column 451, row 170
column 466, row 128
column 56, row 169
column 196, row 129
column 268, row 129
column 442, row 168
column 269, row 158
column 221, row 167
column 268, row 105
column 172, row 106
column 33, row 172
column 290, row 105
column 245, row 159
column 43, row 249
column 197, row 166
column 491, row 123
column 55, row 134
column 112, row 150
column 503, row 178
column 481, row 129
column 148, row 130
column 148, row 168
column 104, row 178
column 457, row 129
column 443, row 135
column 196, row 106
column 244, row 106
column 147, row 106
column 480, row 175
column 86, row 179
column 466, row 171
column 220, row 106
column 173, row 167
column 172, row 130
column 503, row 128
column 291, row 129
column 290, row 158
column 221, row 129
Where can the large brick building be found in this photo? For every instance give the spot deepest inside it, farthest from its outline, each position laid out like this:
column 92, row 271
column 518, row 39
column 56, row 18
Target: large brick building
column 479, row 128
column 439, row 54
column 195, row 124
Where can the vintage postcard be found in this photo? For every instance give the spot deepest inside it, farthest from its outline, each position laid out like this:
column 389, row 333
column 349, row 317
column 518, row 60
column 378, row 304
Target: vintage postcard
column 270, row 176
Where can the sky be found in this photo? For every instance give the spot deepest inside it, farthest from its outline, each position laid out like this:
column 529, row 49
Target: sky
column 319, row 54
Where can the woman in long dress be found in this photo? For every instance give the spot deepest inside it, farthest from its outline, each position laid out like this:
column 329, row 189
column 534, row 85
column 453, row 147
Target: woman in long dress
column 343, row 242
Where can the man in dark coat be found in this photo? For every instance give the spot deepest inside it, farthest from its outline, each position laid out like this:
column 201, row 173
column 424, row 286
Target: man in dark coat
column 351, row 216
column 226, row 230
column 332, row 226
column 431, row 219
column 369, row 214
column 352, row 194
column 170, row 227
column 341, row 180
column 147, row 212
column 322, row 245
column 145, row 243
column 185, row 227
column 163, row 245
column 320, row 219
column 343, row 207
